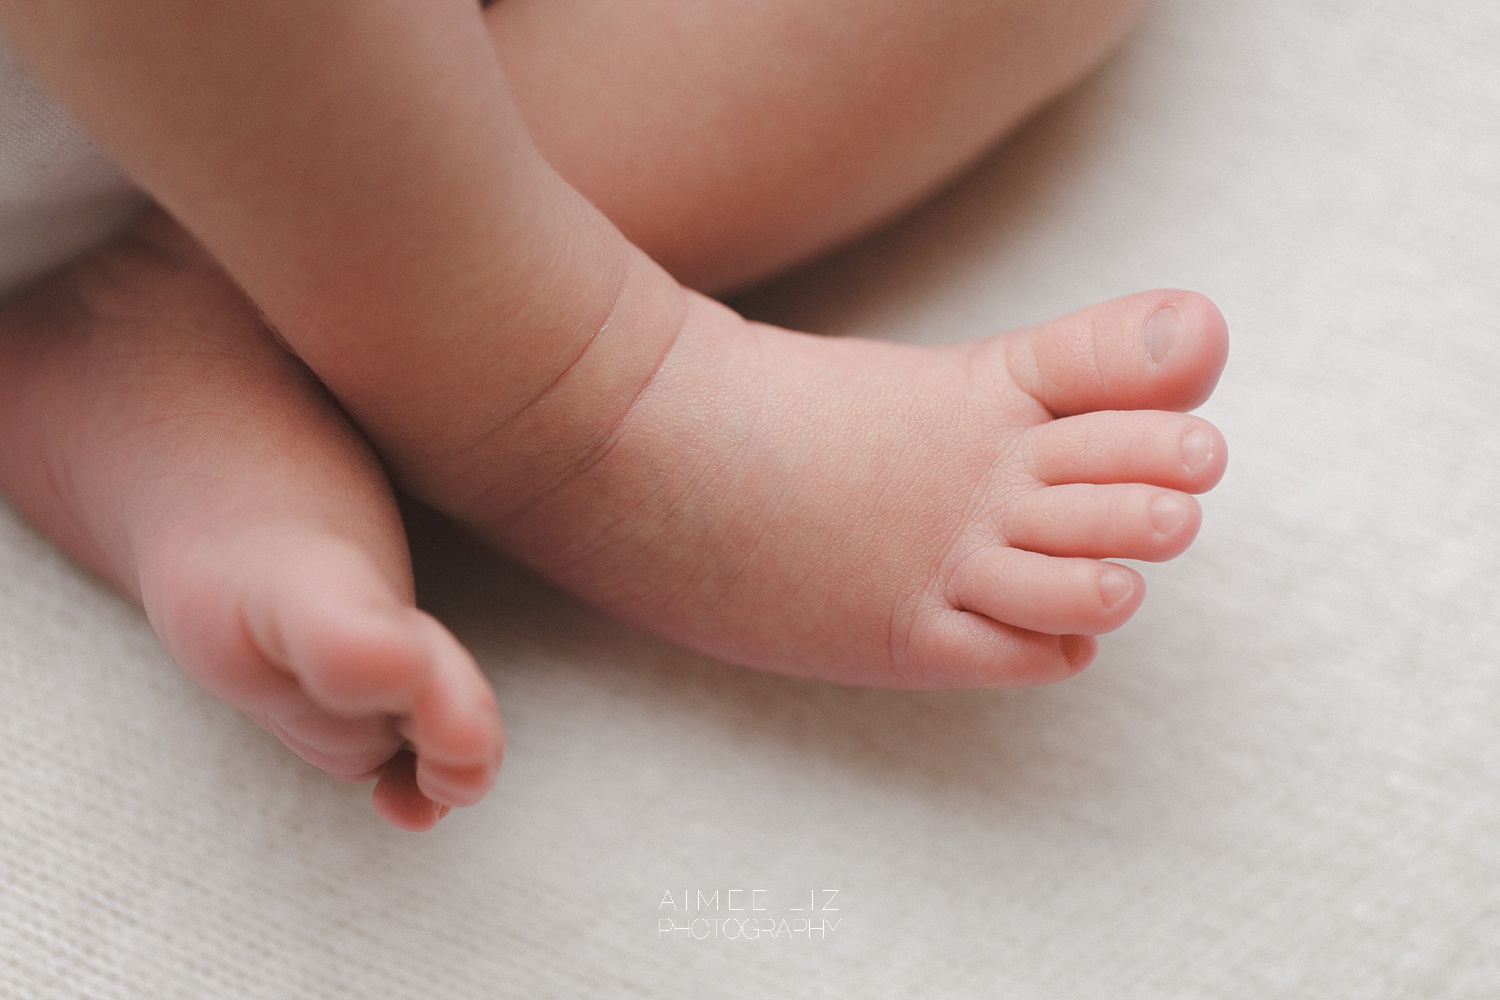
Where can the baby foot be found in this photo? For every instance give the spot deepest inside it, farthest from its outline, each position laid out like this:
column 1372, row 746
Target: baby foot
column 305, row 631
column 152, row 427
column 862, row 511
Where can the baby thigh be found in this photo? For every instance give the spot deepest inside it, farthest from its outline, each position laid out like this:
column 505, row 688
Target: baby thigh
column 734, row 138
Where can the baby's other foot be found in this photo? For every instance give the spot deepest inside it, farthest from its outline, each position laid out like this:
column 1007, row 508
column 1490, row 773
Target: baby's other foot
column 872, row 512
column 150, row 425
column 302, row 629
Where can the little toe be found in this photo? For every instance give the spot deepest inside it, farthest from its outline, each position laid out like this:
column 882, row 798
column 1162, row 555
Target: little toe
column 1174, row 450
column 1153, row 351
column 1043, row 593
column 965, row 649
column 1128, row 521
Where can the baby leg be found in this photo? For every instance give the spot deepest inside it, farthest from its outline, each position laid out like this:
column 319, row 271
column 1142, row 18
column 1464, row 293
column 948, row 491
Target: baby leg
column 150, row 425
column 731, row 139
column 846, row 509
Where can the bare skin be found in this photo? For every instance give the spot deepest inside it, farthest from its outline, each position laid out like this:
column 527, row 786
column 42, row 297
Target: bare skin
column 872, row 513
column 155, row 431
column 857, row 511
column 744, row 136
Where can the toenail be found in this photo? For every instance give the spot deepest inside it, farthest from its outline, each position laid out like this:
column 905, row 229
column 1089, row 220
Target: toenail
column 1167, row 513
column 1114, row 586
column 1197, row 449
column 1075, row 649
column 1163, row 332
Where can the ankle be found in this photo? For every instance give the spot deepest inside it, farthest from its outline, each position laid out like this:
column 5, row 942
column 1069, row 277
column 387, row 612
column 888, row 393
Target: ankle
column 546, row 439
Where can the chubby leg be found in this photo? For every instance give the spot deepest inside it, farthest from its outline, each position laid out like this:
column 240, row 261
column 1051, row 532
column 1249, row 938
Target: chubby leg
column 731, row 139
column 150, row 424
column 844, row 509
column 858, row 511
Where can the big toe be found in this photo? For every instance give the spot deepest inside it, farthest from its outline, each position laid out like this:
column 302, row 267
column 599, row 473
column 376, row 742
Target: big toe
column 1160, row 350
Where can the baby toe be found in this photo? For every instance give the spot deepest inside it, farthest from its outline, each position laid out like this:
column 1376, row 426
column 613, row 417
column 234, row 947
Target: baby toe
column 1153, row 351
column 959, row 648
column 1129, row 521
column 1043, row 593
column 1173, row 450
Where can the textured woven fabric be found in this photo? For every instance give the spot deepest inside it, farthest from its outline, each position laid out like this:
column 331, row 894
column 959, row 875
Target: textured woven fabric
column 59, row 194
column 1279, row 781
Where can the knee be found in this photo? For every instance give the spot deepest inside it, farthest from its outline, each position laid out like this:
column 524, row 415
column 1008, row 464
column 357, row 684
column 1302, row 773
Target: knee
column 784, row 128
